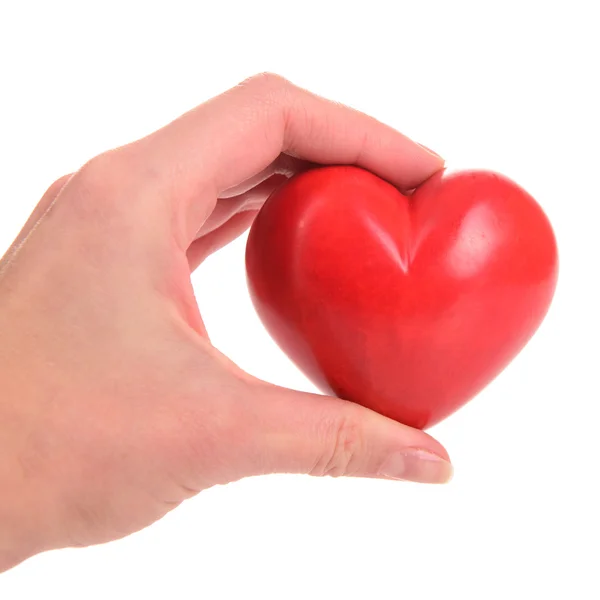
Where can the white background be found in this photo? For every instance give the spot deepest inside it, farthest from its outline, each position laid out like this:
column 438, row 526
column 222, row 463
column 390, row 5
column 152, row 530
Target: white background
column 504, row 86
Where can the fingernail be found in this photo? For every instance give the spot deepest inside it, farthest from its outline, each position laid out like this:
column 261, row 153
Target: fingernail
column 417, row 465
column 429, row 150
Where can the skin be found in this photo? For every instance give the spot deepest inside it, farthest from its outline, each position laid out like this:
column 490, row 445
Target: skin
column 115, row 407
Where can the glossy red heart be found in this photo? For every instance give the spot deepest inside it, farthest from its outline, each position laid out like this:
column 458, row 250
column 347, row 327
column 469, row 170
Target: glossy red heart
column 408, row 305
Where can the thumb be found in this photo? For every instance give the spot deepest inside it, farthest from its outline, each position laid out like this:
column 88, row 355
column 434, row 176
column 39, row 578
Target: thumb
column 321, row 435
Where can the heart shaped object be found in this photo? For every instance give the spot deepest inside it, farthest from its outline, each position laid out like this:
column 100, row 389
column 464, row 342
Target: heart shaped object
column 408, row 305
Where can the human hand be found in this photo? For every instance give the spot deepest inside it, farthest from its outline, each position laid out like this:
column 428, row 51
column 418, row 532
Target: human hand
column 115, row 407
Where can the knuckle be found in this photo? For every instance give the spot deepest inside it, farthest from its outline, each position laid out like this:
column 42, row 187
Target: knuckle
column 266, row 97
column 102, row 172
column 268, row 89
column 107, row 188
column 93, row 187
column 266, row 81
column 57, row 185
column 345, row 447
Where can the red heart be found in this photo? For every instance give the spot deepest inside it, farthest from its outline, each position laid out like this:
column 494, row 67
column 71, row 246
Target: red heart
column 408, row 305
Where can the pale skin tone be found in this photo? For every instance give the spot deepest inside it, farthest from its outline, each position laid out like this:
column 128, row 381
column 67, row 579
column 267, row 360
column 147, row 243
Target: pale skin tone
column 114, row 406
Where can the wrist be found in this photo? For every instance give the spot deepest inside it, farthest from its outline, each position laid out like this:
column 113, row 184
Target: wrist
column 27, row 526
column 17, row 539
column 24, row 526
column 28, row 503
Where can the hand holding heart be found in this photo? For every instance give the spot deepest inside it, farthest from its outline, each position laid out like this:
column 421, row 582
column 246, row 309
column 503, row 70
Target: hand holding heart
column 115, row 407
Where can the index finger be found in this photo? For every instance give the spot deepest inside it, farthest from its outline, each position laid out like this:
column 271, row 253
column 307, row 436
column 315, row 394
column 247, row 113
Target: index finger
column 236, row 135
